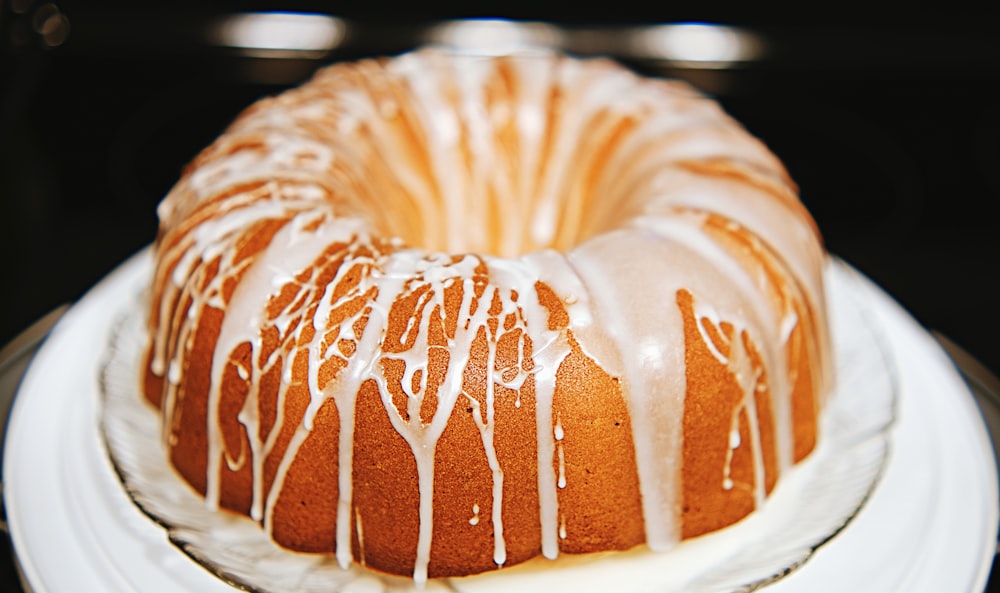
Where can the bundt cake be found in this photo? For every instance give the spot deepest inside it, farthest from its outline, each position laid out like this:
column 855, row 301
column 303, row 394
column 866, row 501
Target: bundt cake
column 438, row 314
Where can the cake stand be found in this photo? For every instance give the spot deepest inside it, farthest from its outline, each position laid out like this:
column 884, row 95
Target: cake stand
column 929, row 525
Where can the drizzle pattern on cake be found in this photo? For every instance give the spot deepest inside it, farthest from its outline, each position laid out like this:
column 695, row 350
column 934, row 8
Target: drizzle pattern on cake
column 440, row 314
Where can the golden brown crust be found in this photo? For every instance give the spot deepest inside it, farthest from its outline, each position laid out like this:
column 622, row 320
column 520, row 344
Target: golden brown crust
column 600, row 505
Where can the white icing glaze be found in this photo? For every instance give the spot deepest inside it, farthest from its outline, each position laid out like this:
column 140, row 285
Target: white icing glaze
column 539, row 164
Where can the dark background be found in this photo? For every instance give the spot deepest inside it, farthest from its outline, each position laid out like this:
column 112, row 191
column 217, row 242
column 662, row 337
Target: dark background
column 887, row 119
column 889, row 126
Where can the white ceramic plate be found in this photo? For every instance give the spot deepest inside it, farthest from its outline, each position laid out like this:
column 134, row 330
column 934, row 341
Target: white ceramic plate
column 929, row 524
column 812, row 503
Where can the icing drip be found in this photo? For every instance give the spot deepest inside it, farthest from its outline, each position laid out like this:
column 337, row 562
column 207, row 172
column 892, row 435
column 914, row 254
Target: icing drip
column 738, row 363
column 559, row 435
column 486, row 429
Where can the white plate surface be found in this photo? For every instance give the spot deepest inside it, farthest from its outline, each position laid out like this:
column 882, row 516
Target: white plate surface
column 929, row 526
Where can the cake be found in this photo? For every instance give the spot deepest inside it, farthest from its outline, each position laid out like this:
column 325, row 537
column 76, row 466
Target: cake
column 439, row 314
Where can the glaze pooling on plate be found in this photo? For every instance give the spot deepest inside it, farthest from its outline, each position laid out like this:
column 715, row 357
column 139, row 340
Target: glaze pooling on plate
column 818, row 500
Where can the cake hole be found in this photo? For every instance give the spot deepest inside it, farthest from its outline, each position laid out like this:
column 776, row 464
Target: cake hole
column 482, row 222
column 476, row 168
